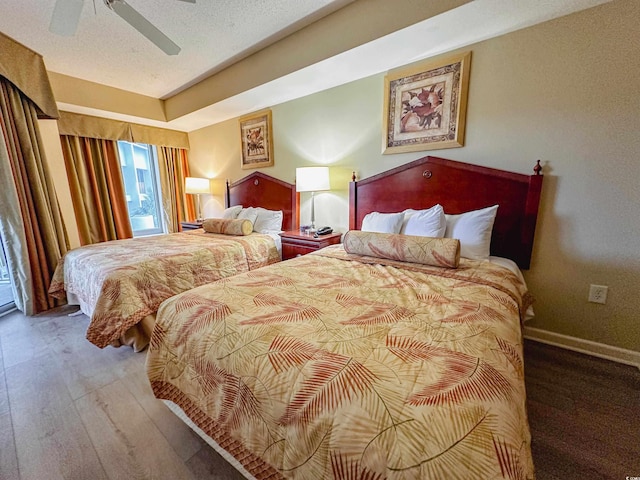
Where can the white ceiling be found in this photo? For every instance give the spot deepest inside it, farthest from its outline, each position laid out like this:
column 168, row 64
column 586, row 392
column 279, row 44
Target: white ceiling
column 215, row 33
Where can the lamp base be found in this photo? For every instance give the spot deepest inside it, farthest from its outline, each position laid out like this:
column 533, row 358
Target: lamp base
column 198, row 211
column 312, row 227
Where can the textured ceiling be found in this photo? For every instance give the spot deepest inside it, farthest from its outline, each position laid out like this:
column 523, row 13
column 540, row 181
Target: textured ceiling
column 214, row 34
column 107, row 50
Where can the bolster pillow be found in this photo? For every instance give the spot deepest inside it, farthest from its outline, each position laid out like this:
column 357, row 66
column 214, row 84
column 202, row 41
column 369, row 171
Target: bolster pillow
column 438, row 252
column 228, row 226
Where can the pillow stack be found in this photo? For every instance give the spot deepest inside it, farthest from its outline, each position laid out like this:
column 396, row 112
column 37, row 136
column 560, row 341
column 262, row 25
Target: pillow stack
column 473, row 229
column 262, row 220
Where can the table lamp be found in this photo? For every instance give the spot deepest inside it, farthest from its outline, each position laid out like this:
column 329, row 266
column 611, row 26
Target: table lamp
column 312, row 179
column 196, row 186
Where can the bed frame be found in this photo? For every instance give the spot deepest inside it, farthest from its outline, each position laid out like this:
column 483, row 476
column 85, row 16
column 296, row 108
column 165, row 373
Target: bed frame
column 261, row 190
column 459, row 187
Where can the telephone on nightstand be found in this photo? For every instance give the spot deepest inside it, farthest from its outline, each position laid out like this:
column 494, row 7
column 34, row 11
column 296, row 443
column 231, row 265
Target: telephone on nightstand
column 324, row 231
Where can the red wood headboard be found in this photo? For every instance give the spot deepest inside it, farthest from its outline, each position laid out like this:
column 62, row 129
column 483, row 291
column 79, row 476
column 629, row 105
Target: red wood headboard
column 260, row 190
column 458, row 187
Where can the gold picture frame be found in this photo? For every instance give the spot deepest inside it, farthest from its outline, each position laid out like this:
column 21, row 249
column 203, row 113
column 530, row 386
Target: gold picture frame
column 425, row 105
column 256, row 138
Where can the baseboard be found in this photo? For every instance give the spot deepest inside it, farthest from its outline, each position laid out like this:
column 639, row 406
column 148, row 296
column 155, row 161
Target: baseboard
column 7, row 309
column 616, row 354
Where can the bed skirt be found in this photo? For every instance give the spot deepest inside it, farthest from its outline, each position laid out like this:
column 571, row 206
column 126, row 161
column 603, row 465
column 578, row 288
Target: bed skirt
column 211, row 442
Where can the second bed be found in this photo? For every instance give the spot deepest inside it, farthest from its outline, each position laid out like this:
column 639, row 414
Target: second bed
column 120, row 284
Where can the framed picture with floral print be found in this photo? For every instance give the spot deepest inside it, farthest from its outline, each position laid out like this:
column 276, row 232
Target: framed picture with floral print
column 425, row 105
column 256, row 140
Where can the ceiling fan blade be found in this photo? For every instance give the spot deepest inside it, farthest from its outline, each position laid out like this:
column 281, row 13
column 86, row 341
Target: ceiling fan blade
column 144, row 26
column 65, row 17
column 188, row 1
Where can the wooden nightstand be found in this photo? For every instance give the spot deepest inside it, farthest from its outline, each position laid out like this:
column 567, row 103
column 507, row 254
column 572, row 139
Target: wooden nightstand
column 295, row 243
column 190, row 225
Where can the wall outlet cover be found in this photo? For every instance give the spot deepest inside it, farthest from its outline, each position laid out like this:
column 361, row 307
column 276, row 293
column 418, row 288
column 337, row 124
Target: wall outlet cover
column 598, row 293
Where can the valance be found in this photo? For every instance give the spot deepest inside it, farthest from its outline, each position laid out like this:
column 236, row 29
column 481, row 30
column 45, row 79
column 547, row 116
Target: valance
column 96, row 127
column 25, row 69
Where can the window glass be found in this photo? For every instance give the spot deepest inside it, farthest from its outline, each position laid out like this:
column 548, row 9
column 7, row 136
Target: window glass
column 140, row 174
column 6, row 291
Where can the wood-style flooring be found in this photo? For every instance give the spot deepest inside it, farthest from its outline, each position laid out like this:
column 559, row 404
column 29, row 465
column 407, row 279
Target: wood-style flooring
column 69, row 410
column 584, row 415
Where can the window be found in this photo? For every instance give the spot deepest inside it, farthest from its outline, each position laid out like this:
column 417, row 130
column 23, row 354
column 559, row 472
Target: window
column 140, row 174
column 6, row 291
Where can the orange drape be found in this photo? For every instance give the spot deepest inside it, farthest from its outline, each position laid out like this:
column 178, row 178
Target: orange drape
column 97, row 188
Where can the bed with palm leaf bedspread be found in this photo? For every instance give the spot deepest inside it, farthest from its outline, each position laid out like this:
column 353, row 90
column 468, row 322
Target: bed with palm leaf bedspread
column 358, row 362
column 120, row 284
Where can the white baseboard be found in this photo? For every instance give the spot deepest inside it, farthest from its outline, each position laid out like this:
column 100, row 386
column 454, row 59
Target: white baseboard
column 616, row 354
column 6, row 311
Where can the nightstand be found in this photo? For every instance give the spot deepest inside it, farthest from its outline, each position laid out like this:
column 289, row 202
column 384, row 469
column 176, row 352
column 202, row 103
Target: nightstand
column 295, row 243
column 190, row 225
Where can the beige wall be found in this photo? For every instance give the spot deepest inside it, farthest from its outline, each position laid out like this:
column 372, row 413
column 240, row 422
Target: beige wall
column 564, row 92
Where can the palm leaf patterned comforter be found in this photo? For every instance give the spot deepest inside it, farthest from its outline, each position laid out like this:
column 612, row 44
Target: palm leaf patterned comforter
column 337, row 366
column 118, row 283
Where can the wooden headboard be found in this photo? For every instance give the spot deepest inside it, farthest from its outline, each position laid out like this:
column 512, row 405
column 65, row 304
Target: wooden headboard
column 260, row 190
column 458, row 187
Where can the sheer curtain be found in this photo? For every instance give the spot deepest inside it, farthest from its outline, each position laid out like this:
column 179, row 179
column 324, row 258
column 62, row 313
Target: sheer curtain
column 173, row 165
column 31, row 223
column 97, row 188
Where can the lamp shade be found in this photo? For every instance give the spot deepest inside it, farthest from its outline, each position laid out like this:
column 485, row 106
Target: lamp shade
column 312, row 179
column 197, row 185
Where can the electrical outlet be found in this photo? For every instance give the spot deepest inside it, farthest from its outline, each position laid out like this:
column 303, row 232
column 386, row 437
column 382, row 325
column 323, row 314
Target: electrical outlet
column 598, row 293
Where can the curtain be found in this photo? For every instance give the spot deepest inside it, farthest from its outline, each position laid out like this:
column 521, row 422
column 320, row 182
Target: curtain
column 97, row 189
column 173, row 166
column 31, row 223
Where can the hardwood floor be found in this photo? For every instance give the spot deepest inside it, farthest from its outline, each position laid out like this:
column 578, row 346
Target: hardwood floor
column 69, row 410
column 584, row 415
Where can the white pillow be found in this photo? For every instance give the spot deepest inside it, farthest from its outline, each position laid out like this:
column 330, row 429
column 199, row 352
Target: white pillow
column 249, row 213
column 232, row 212
column 268, row 220
column 473, row 229
column 382, row 222
column 425, row 223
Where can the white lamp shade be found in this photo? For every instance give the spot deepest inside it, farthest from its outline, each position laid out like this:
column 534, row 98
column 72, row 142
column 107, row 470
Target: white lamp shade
column 312, row 179
column 197, row 185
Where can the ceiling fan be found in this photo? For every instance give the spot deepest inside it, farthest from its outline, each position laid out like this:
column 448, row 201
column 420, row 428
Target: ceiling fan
column 66, row 15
